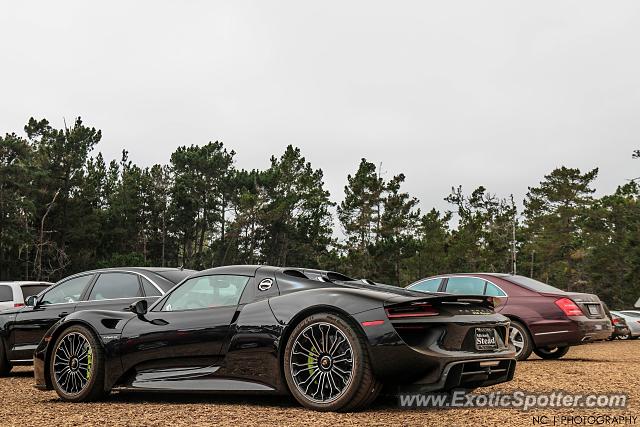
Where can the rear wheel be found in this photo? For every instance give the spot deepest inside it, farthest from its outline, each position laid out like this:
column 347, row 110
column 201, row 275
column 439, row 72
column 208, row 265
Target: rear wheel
column 77, row 366
column 5, row 365
column 550, row 353
column 519, row 336
column 624, row 337
column 327, row 367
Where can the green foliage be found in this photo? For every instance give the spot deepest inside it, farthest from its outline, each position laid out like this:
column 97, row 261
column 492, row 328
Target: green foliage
column 555, row 214
column 64, row 209
column 360, row 214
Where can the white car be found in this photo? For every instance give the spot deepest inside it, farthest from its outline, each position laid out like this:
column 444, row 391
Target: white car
column 632, row 317
column 14, row 294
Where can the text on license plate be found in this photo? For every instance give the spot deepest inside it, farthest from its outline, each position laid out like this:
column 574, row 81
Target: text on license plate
column 486, row 339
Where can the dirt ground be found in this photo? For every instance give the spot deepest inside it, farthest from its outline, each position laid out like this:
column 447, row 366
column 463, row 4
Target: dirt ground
column 610, row 367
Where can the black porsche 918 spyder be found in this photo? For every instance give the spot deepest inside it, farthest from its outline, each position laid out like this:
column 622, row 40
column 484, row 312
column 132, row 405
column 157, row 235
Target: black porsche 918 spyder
column 329, row 340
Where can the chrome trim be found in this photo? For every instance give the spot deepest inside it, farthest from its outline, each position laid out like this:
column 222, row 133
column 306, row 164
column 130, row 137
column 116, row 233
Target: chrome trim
column 162, row 293
column 129, row 272
column 98, row 272
column 460, row 275
column 549, row 333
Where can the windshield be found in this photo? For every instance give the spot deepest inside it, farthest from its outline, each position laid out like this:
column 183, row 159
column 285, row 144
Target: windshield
column 532, row 284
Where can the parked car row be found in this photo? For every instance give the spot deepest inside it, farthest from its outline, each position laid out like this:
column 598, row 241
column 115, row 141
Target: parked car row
column 331, row 341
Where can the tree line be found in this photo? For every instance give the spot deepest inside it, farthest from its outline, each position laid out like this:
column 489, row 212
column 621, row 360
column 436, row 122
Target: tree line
column 64, row 210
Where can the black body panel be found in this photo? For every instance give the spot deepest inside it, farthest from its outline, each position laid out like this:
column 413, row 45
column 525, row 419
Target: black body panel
column 239, row 348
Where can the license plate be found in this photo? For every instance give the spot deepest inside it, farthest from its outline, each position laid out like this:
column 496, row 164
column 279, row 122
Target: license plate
column 593, row 309
column 486, row 339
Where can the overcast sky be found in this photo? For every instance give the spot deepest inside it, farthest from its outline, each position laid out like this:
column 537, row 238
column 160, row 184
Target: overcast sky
column 493, row 93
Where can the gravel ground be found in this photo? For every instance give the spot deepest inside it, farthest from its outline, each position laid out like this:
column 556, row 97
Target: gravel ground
column 596, row 368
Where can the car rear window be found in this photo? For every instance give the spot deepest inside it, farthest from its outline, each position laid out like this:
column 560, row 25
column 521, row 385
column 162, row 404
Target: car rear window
column 532, row 284
column 465, row 286
column 6, row 294
column 30, row 290
column 430, row 285
column 115, row 286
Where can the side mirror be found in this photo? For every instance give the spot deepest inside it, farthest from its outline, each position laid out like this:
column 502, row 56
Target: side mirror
column 31, row 301
column 139, row 307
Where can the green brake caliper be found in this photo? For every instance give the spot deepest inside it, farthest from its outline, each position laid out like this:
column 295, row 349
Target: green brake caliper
column 89, row 363
column 310, row 360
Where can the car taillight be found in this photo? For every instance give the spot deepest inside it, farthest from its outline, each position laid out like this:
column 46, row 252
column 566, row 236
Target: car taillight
column 412, row 310
column 616, row 321
column 17, row 305
column 568, row 307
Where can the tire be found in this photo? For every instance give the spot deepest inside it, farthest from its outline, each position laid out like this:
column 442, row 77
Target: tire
column 551, row 353
column 349, row 383
column 5, row 365
column 624, row 337
column 520, row 334
column 634, row 338
column 71, row 386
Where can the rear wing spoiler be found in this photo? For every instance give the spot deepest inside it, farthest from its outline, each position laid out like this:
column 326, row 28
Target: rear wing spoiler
column 435, row 299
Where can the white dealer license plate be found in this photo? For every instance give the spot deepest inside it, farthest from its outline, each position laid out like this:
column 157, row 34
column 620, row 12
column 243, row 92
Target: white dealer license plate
column 486, row 339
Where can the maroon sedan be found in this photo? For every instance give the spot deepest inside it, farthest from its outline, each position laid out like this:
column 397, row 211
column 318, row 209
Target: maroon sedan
column 544, row 319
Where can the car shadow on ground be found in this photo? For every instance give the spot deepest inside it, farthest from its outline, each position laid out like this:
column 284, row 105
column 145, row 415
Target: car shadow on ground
column 21, row 374
column 569, row 359
column 128, row 397
column 384, row 402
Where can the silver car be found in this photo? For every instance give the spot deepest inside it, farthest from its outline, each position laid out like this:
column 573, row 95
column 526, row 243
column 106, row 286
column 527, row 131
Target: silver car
column 632, row 317
column 14, row 294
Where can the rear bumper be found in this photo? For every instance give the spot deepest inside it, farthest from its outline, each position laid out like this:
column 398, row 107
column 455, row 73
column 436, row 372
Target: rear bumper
column 442, row 358
column 573, row 331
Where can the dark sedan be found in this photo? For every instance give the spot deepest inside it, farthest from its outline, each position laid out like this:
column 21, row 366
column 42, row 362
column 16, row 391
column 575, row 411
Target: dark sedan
column 544, row 320
column 330, row 341
column 22, row 329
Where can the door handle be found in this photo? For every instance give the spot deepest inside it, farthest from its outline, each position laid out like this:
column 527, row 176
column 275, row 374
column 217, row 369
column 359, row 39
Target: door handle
column 63, row 314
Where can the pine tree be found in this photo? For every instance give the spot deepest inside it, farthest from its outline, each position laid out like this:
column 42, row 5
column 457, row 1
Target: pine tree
column 554, row 219
column 360, row 216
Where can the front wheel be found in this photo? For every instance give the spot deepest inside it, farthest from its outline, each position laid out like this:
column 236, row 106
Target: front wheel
column 327, row 367
column 77, row 366
column 551, row 353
